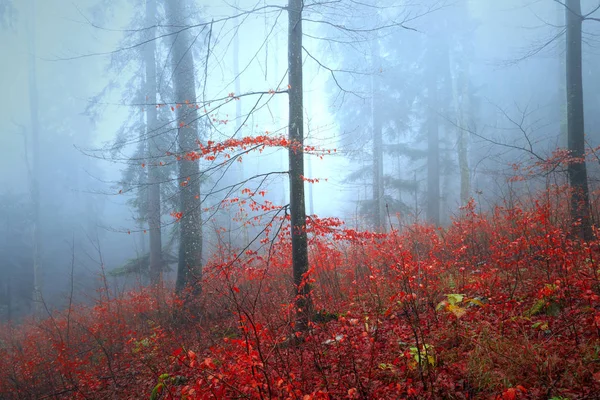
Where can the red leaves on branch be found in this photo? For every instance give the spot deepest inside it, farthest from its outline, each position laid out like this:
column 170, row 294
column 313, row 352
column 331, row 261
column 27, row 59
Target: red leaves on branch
column 177, row 215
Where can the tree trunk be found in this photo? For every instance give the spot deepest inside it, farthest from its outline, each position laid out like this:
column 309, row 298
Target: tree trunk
column 580, row 209
column 296, row 162
column 461, row 95
column 189, row 269
column 153, row 151
column 238, row 91
column 238, row 116
column 561, row 109
column 433, row 145
column 35, row 176
column 378, row 190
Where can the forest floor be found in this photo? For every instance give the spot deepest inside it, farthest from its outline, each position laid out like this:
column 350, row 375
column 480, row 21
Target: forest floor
column 503, row 305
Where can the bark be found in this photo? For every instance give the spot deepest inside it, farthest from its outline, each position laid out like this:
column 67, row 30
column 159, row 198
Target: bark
column 238, row 115
column 461, row 96
column 189, row 269
column 580, row 209
column 561, row 109
column 35, row 175
column 296, row 163
column 153, row 152
column 378, row 190
column 238, row 91
column 433, row 145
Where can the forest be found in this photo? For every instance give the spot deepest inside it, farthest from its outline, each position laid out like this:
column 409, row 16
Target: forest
column 300, row 199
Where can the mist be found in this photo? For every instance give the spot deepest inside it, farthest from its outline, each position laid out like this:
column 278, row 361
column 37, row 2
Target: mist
column 410, row 113
column 497, row 70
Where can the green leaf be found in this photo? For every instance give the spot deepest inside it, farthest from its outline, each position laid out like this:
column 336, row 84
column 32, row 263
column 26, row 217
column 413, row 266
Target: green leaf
column 455, row 298
column 163, row 377
column 441, row 306
column 537, row 308
column 156, row 391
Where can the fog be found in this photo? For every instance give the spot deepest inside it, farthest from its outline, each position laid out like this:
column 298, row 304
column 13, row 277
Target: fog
column 485, row 78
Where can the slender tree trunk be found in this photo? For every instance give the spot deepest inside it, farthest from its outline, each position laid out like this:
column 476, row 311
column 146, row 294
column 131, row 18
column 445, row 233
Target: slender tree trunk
column 311, row 201
column 580, row 208
column 238, row 114
column 463, row 158
column 189, row 269
column 460, row 94
column 35, row 176
column 433, row 145
column 296, row 160
column 238, row 91
column 378, row 190
column 153, row 151
column 561, row 86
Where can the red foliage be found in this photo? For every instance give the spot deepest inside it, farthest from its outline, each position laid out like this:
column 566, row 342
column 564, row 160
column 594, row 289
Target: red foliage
column 505, row 305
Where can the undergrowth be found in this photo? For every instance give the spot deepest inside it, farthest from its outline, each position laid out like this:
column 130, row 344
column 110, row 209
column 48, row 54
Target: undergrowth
column 502, row 305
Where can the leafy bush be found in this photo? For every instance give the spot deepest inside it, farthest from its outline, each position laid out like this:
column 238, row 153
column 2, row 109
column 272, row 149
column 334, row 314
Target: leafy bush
column 504, row 305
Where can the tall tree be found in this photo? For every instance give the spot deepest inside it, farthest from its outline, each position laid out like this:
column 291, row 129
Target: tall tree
column 561, row 89
column 377, row 135
column 457, row 54
column 35, row 155
column 152, row 149
column 580, row 208
column 433, row 137
column 296, row 160
column 189, row 269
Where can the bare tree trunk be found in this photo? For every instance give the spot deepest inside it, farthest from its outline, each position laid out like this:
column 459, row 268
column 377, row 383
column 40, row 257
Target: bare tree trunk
column 463, row 163
column 561, row 86
column 460, row 94
column 433, row 145
column 378, row 190
column 35, row 176
column 189, row 269
column 580, row 208
column 153, row 152
column 238, row 114
column 238, row 91
column 296, row 160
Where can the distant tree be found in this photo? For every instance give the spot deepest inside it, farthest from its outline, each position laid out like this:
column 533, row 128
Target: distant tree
column 458, row 50
column 433, row 138
column 377, row 138
column 35, row 158
column 153, row 149
column 15, row 256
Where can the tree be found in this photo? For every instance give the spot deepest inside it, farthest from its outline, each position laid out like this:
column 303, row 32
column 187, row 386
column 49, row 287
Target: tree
column 433, row 145
column 296, row 160
column 189, row 269
column 36, row 168
column 580, row 207
column 377, row 135
column 153, row 151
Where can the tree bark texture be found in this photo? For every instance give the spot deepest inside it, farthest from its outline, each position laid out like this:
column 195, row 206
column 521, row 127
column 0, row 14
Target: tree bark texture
column 189, row 269
column 153, row 152
column 296, row 164
column 580, row 208
column 433, row 144
column 377, row 135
